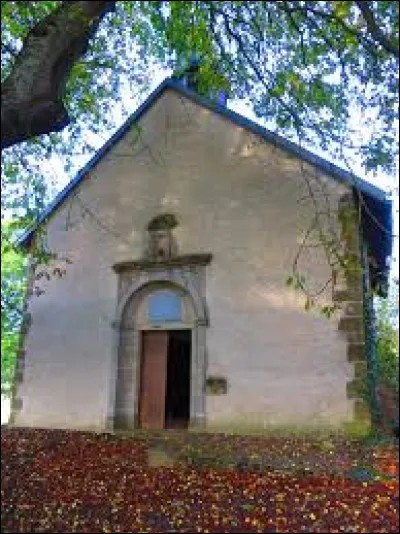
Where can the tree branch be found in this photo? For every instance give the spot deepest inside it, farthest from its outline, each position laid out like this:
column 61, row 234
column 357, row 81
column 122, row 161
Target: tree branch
column 330, row 16
column 375, row 30
column 32, row 94
column 238, row 39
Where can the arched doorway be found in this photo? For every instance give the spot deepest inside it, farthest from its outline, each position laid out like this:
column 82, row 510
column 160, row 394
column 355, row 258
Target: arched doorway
column 165, row 318
column 165, row 379
column 160, row 371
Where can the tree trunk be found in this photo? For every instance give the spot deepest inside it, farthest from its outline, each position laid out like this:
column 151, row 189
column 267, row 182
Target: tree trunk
column 32, row 95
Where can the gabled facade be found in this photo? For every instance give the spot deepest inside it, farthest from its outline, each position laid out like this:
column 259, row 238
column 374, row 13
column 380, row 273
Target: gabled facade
column 173, row 311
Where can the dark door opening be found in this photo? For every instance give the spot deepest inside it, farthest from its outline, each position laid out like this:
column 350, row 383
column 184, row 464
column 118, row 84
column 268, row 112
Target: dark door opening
column 177, row 397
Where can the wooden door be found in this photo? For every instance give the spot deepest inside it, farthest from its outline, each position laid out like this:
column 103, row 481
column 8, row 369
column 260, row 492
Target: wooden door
column 153, row 379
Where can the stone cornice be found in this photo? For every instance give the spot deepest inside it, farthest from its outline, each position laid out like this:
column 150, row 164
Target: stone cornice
column 187, row 260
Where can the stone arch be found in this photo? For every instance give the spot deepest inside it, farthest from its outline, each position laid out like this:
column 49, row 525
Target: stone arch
column 124, row 405
column 174, row 279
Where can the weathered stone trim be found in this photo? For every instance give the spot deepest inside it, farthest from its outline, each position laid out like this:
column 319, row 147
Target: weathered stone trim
column 355, row 337
column 360, row 369
column 16, row 405
column 352, row 309
column 350, row 297
column 349, row 323
column 356, row 352
column 188, row 260
column 353, row 389
column 172, row 277
column 123, row 407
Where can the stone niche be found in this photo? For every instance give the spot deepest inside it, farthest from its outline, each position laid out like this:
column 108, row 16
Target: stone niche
column 161, row 243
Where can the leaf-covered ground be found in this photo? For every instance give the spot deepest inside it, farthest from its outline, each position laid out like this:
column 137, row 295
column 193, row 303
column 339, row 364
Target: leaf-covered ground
column 59, row 481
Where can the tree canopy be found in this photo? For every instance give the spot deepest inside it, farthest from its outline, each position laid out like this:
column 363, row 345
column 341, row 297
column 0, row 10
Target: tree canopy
column 302, row 64
column 13, row 279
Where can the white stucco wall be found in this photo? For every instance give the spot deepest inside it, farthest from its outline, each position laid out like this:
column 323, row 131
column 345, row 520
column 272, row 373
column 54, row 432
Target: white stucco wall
column 234, row 196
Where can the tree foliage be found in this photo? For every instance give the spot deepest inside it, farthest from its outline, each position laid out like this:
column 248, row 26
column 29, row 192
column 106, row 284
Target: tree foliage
column 386, row 349
column 301, row 64
column 387, row 345
column 13, row 278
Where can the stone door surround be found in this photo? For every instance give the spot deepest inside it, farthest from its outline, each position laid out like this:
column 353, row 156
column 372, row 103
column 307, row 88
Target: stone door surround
column 136, row 280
